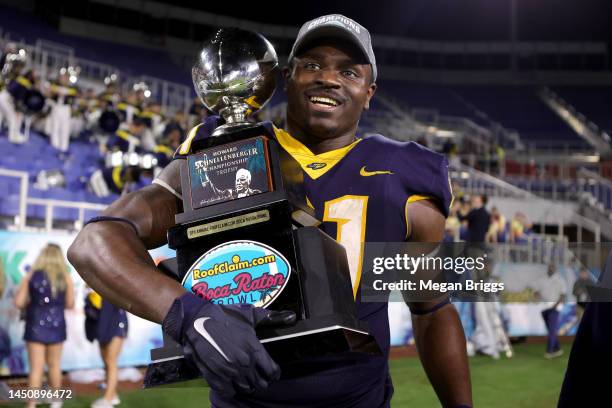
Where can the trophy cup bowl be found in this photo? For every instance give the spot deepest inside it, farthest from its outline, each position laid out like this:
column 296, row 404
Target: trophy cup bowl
column 235, row 75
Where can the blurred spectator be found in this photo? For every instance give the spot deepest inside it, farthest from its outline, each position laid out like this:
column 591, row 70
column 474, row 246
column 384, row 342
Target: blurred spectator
column 497, row 229
column 197, row 113
column 108, row 325
column 520, row 227
column 173, row 135
column 458, row 193
column 498, row 160
column 45, row 292
column 551, row 289
column 478, row 219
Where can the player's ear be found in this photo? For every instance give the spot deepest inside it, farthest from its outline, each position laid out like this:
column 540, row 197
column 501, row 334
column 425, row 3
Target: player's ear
column 287, row 70
column 370, row 94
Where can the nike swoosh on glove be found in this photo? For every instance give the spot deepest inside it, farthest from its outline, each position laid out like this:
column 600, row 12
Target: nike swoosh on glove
column 221, row 341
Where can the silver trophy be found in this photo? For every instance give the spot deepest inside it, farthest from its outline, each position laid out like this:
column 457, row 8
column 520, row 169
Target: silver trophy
column 242, row 187
column 235, row 75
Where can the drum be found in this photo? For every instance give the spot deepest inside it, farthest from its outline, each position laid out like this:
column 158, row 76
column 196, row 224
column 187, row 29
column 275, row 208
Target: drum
column 34, row 101
column 109, row 121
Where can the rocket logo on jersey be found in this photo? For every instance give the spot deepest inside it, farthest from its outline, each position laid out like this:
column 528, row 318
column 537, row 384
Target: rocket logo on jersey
column 239, row 272
column 316, row 166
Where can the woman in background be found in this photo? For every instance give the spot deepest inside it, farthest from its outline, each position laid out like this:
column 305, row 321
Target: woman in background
column 44, row 293
column 108, row 324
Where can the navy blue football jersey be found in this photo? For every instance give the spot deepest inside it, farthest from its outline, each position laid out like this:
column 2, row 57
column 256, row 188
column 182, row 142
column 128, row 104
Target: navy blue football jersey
column 584, row 385
column 360, row 193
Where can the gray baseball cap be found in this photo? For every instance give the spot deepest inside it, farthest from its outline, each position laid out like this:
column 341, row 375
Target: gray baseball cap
column 336, row 25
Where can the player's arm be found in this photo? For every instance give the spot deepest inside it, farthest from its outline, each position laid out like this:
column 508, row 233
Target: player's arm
column 113, row 258
column 438, row 332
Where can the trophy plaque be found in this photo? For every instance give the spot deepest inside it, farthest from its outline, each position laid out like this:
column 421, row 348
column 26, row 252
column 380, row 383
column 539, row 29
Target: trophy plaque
column 246, row 234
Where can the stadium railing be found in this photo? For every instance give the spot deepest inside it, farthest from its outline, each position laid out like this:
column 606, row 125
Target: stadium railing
column 597, row 186
column 49, row 204
column 476, row 182
column 577, row 121
column 431, row 121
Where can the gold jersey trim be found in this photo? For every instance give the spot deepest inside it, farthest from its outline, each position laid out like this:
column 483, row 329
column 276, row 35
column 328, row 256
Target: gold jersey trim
column 315, row 165
column 412, row 199
column 186, row 146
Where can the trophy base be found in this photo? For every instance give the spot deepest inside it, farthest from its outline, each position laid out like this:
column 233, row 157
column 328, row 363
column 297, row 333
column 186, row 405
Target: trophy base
column 300, row 343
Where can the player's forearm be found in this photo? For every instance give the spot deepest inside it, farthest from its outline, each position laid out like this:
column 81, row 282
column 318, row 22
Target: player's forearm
column 441, row 345
column 112, row 259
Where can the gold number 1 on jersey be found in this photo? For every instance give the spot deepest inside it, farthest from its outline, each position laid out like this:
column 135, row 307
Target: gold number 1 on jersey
column 349, row 212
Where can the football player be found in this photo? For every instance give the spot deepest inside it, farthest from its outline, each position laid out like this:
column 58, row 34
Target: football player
column 584, row 385
column 363, row 189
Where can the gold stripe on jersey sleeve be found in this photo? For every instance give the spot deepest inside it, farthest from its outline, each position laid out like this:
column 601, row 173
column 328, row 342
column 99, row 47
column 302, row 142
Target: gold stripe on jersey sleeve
column 186, row 146
column 319, row 163
column 412, row 199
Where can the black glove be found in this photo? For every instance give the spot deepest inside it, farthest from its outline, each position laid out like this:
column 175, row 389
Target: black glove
column 221, row 341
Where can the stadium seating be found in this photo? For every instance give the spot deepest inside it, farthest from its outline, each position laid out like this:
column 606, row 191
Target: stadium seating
column 514, row 107
column 38, row 155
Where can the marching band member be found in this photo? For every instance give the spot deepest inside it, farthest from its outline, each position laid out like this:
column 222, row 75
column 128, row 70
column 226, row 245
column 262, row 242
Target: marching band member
column 110, row 97
column 102, row 116
column 128, row 140
column 63, row 93
column 15, row 87
column 134, row 102
column 152, row 117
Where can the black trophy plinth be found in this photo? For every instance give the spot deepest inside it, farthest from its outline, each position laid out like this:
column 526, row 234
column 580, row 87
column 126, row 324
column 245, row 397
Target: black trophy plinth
column 317, row 286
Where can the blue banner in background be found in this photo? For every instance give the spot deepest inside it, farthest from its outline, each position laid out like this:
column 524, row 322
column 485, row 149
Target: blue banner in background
column 17, row 252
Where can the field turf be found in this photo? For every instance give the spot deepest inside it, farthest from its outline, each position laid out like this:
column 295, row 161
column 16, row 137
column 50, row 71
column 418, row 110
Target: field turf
column 525, row 381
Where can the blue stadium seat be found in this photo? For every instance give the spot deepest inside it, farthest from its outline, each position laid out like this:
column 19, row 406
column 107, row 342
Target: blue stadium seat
column 9, row 205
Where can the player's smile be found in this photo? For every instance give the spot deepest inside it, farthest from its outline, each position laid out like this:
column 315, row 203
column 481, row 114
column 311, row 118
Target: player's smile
column 324, row 101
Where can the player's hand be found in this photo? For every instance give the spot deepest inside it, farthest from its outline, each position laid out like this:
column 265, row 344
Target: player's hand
column 221, row 341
